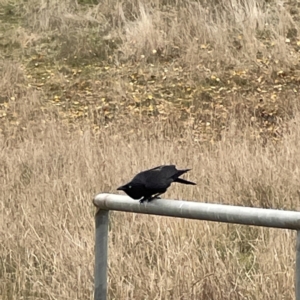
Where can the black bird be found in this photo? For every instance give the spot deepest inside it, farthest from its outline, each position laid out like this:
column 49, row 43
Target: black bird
column 149, row 184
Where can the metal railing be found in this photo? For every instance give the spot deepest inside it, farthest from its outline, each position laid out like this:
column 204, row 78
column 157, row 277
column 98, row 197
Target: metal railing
column 190, row 210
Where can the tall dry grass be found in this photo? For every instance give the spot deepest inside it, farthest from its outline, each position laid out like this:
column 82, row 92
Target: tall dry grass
column 48, row 179
column 50, row 170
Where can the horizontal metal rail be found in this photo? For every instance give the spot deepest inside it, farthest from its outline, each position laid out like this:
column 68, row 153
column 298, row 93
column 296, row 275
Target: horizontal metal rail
column 185, row 209
column 202, row 211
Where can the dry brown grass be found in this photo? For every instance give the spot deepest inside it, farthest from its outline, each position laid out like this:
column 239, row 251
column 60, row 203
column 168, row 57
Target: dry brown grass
column 50, row 170
column 234, row 32
column 49, row 177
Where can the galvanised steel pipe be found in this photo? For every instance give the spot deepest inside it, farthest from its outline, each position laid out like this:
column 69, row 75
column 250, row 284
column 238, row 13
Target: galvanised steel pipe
column 190, row 210
column 202, row 211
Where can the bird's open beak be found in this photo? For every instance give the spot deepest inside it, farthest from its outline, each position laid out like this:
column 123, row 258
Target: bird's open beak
column 121, row 188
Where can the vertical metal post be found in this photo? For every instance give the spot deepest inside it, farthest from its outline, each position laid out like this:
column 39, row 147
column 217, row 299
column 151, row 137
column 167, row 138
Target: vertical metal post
column 297, row 275
column 101, row 255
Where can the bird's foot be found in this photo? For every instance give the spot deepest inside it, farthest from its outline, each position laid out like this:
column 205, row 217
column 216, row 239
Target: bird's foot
column 146, row 199
column 149, row 199
column 154, row 197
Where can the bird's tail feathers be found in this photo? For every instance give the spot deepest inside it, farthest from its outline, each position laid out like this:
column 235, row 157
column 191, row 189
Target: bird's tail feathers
column 180, row 172
column 180, row 180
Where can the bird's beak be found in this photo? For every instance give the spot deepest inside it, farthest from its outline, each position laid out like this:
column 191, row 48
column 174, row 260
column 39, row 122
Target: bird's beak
column 121, row 188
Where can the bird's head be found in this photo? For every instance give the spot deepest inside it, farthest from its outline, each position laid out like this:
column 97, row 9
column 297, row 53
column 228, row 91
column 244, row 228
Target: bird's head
column 133, row 189
column 125, row 187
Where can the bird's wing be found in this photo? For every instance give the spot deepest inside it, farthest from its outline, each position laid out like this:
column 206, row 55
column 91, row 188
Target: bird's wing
column 162, row 167
column 156, row 177
column 168, row 171
column 156, row 185
column 159, row 177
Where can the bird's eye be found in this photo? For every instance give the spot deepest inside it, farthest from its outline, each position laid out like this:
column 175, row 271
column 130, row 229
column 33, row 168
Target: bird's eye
column 129, row 186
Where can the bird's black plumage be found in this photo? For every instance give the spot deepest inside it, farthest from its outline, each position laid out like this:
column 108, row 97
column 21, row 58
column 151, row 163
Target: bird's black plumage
column 149, row 184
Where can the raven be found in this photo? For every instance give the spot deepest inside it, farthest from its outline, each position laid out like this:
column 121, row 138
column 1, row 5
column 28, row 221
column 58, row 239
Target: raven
column 149, row 184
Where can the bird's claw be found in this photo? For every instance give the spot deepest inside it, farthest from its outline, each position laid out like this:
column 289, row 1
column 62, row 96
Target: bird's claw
column 149, row 199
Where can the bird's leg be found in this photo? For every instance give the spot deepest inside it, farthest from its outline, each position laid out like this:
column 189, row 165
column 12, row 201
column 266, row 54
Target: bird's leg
column 154, row 197
column 142, row 200
column 150, row 198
